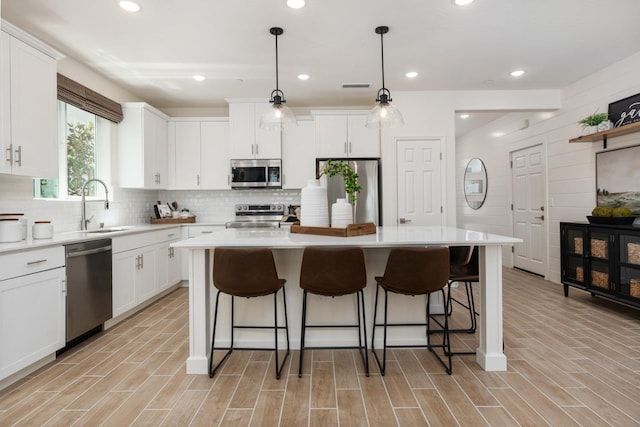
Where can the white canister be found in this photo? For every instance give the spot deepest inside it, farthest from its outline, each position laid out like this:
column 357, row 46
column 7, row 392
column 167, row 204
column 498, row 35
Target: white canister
column 21, row 219
column 42, row 230
column 10, row 230
column 314, row 207
column 341, row 214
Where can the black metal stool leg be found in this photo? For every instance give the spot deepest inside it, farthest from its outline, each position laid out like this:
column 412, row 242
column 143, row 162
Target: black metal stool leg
column 302, row 330
column 212, row 369
column 365, row 354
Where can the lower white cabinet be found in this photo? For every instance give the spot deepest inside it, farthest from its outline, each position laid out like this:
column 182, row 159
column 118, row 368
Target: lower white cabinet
column 32, row 308
column 143, row 266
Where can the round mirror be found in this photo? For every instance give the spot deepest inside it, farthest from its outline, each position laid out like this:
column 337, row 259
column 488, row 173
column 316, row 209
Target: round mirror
column 475, row 183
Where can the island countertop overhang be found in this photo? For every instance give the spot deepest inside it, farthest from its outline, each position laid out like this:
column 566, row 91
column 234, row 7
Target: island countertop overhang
column 386, row 236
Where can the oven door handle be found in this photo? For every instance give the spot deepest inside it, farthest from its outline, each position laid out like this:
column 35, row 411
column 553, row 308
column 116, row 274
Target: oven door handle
column 89, row 252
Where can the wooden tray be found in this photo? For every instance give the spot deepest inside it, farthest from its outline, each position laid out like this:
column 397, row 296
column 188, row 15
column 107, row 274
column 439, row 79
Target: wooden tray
column 351, row 230
column 188, row 220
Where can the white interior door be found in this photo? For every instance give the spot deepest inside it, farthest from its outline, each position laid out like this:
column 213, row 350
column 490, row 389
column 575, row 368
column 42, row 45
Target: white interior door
column 419, row 182
column 527, row 171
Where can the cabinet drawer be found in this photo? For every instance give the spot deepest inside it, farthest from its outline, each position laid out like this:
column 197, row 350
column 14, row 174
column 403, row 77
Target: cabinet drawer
column 139, row 240
column 29, row 262
column 199, row 230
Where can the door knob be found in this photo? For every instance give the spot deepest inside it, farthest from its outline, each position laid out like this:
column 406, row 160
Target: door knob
column 540, row 217
column 542, row 208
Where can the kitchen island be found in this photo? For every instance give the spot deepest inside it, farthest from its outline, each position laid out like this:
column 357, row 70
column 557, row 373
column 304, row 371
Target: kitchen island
column 288, row 247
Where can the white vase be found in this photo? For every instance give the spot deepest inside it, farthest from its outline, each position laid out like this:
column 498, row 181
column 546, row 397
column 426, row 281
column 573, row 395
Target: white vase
column 341, row 214
column 314, row 208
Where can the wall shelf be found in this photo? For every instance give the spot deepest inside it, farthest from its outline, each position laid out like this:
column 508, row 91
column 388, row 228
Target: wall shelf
column 611, row 133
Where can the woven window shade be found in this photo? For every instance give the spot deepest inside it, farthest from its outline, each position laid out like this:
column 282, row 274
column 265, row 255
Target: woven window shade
column 86, row 99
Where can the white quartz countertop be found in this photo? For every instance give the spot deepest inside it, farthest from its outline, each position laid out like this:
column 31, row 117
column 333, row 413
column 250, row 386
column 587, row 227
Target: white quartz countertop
column 386, row 236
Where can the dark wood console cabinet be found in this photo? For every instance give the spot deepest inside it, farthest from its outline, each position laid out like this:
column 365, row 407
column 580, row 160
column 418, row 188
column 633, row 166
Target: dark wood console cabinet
column 601, row 259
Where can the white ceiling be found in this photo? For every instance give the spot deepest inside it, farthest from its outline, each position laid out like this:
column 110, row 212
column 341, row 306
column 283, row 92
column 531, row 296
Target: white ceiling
column 155, row 53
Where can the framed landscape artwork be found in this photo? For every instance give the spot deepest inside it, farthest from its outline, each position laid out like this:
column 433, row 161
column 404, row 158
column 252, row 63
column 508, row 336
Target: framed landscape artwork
column 618, row 178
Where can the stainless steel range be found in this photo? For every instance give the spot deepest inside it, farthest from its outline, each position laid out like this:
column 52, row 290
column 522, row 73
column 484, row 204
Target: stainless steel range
column 257, row 216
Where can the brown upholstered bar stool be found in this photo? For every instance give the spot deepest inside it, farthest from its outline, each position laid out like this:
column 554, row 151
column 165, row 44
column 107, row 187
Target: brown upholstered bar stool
column 334, row 272
column 248, row 273
column 413, row 271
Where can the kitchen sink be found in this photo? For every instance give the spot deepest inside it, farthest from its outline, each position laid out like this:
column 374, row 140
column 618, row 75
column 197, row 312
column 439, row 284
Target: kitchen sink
column 109, row 229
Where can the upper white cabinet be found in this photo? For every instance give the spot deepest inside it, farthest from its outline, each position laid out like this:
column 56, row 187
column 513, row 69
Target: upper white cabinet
column 142, row 147
column 247, row 140
column 200, row 150
column 298, row 159
column 343, row 134
column 28, row 92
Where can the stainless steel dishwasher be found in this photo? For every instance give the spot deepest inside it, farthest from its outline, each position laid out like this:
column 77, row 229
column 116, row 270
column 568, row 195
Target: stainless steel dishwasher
column 89, row 296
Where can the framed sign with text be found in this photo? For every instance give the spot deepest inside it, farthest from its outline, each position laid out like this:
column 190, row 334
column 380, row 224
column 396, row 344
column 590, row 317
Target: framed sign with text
column 625, row 111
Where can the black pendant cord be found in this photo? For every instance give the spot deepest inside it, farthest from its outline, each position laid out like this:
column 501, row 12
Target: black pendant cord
column 277, row 88
column 382, row 56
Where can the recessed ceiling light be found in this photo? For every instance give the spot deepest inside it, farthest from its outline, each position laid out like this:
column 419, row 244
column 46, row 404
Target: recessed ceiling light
column 296, row 4
column 303, row 76
column 129, row 6
column 516, row 73
column 462, row 2
column 464, row 116
column 199, row 78
column 411, row 74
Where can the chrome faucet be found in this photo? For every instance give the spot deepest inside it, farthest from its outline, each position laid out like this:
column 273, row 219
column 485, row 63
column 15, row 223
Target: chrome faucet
column 85, row 221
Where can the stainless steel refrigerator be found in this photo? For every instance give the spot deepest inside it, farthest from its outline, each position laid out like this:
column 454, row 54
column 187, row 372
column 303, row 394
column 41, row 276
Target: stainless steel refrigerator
column 368, row 203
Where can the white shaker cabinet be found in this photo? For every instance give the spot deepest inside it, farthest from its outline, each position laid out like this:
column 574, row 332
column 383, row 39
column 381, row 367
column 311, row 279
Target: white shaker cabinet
column 143, row 266
column 201, row 152
column 298, row 159
column 247, row 140
column 32, row 307
column 28, row 92
column 345, row 135
column 142, row 147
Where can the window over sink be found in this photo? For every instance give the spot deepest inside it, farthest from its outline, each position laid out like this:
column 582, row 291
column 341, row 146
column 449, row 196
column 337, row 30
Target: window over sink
column 83, row 153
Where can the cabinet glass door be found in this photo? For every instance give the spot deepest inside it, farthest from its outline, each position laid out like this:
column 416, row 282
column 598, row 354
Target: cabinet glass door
column 599, row 250
column 630, row 265
column 574, row 256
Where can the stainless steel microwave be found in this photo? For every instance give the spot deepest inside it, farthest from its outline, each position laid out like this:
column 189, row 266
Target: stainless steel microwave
column 256, row 173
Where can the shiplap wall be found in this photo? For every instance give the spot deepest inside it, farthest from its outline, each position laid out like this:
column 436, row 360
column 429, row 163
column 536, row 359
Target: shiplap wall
column 570, row 167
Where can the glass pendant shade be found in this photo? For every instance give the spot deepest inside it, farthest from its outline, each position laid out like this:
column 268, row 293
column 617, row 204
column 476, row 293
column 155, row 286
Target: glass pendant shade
column 278, row 118
column 384, row 116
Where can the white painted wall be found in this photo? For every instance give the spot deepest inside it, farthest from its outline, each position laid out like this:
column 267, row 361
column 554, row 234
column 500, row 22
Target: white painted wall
column 571, row 169
column 432, row 115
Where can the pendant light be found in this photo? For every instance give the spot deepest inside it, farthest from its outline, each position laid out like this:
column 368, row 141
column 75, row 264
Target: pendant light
column 383, row 114
column 280, row 117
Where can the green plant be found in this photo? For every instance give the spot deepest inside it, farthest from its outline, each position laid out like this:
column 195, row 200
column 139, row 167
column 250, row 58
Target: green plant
column 348, row 174
column 80, row 157
column 594, row 119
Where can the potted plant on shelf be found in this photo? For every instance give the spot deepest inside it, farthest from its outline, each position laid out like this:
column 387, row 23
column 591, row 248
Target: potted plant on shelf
column 594, row 123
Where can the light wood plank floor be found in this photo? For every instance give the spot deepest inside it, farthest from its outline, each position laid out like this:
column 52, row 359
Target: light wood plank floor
column 572, row 361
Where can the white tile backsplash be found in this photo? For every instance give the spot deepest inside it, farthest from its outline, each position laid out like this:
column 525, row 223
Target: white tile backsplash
column 219, row 205
column 130, row 206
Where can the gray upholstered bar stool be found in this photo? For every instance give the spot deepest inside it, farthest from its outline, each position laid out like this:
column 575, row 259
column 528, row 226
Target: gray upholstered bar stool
column 413, row 271
column 247, row 273
column 334, row 272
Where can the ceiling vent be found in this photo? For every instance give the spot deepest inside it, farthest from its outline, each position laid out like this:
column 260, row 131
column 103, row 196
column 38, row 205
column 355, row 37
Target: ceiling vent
column 355, row 85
